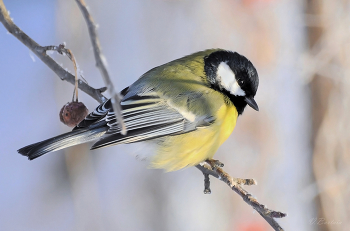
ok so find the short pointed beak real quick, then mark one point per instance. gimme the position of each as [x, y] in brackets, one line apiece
[251, 102]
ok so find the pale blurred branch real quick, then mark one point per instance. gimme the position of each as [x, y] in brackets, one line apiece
[326, 66]
[101, 65]
[213, 167]
[40, 52]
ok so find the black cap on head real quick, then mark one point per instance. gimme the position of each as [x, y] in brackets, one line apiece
[240, 82]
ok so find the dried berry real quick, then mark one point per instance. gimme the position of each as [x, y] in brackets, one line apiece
[72, 113]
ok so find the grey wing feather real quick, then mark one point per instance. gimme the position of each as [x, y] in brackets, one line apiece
[98, 114]
[146, 117]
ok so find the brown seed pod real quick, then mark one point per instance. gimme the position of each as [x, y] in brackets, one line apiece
[72, 113]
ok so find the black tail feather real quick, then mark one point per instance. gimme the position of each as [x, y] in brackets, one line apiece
[65, 140]
[24, 151]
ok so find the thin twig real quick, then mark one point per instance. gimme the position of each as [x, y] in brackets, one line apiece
[234, 184]
[39, 51]
[61, 49]
[115, 99]
[206, 183]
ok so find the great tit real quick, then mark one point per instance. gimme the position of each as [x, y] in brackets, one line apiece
[187, 108]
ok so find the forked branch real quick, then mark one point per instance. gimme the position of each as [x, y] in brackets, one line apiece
[40, 52]
[61, 49]
[213, 168]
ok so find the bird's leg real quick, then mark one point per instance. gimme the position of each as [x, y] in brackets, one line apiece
[214, 163]
[216, 167]
[210, 165]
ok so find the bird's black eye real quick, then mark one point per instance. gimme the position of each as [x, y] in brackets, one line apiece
[241, 82]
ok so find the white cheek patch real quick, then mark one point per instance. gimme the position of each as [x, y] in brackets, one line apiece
[236, 89]
[227, 79]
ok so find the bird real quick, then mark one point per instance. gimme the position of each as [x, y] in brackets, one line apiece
[186, 108]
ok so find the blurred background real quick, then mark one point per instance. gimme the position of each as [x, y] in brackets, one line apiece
[297, 146]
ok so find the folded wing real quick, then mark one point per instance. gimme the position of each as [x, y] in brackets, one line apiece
[146, 117]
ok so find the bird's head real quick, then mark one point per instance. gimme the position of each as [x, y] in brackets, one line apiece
[234, 75]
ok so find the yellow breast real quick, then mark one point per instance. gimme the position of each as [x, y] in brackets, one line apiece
[189, 149]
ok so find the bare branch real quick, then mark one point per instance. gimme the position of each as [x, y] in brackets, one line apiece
[115, 99]
[39, 51]
[61, 49]
[211, 167]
